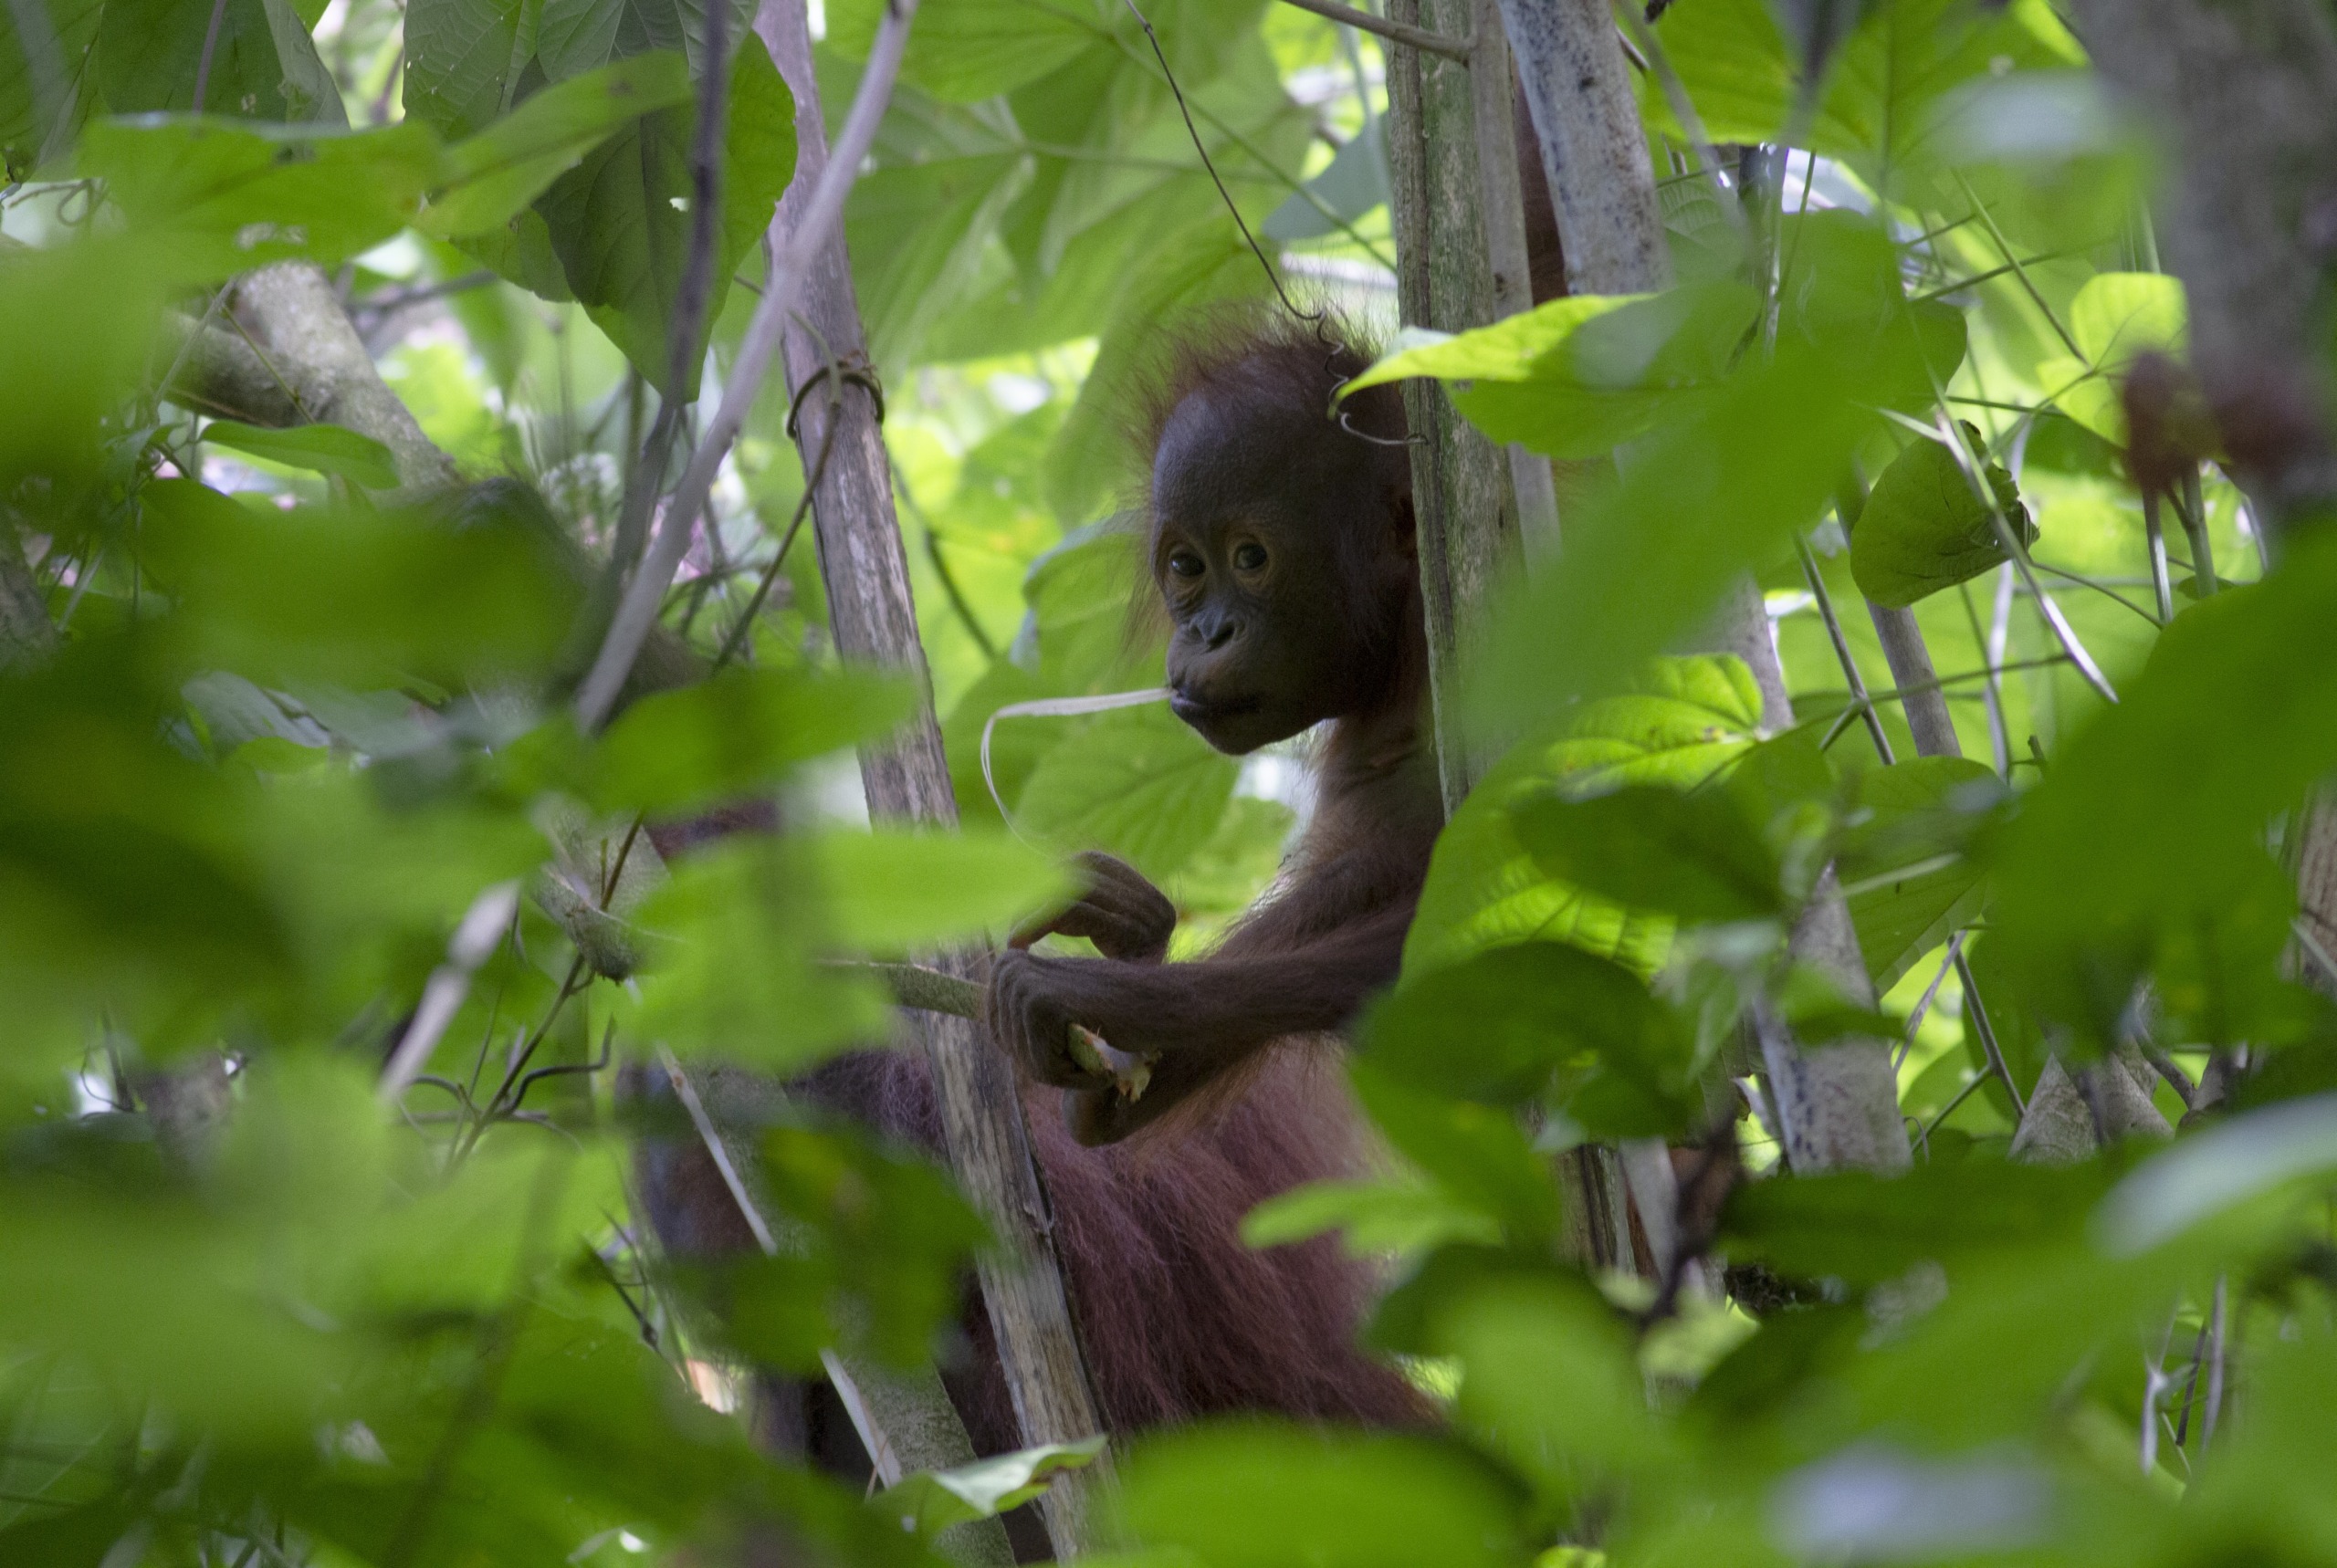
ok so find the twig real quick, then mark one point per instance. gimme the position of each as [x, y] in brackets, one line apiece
[210, 46]
[783, 281]
[475, 938]
[1401, 32]
[1842, 652]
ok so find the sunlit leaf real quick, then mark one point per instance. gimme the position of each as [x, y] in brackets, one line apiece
[1922, 528]
[320, 448]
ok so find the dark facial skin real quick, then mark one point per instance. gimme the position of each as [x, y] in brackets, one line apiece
[1267, 529]
[1283, 551]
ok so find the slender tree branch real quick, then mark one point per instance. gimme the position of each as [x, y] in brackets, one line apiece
[783, 282]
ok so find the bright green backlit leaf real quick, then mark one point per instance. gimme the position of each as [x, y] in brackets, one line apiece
[1375, 1218]
[890, 892]
[1549, 1377]
[102, 297]
[1923, 529]
[967, 50]
[1576, 377]
[1690, 717]
[733, 944]
[1882, 84]
[1261, 1495]
[320, 448]
[493, 175]
[2115, 318]
[932, 1500]
[1136, 782]
[225, 197]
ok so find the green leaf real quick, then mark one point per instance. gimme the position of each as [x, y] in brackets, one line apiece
[1136, 782]
[367, 600]
[493, 175]
[103, 295]
[1376, 1216]
[2115, 318]
[1263, 1494]
[1548, 1378]
[1923, 529]
[320, 448]
[735, 936]
[737, 732]
[967, 50]
[1694, 855]
[223, 197]
[1578, 376]
[932, 1500]
[1905, 861]
[1477, 1153]
[1515, 1023]
[2227, 1165]
[1883, 83]
[619, 220]
[462, 59]
[879, 1243]
[1692, 717]
[892, 892]
[264, 64]
[1718, 490]
[28, 124]
[2095, 884]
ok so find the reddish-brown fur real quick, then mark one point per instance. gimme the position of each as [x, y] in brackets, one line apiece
[1179, 1318]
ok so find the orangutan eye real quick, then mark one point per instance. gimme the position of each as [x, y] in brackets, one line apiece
[1185, 563]
[1249, 557]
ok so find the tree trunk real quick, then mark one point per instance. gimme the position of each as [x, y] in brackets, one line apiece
[865, 571]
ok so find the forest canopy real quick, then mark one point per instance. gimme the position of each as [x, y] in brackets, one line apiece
[564, 563]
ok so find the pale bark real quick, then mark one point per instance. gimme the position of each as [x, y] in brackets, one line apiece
[301, 330]
[1444, 279]
[865, 571]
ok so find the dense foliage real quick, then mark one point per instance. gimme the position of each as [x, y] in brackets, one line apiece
[283, 734]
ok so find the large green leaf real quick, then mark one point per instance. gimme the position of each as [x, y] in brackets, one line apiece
[29, 120]
[263, 66]
[494, 174]
[1690, 717]
[320, 448]
[2116, 317]
[966, 50]
[217, 197]
[1578, 376]
[1922, 528]
[1136, 782]
[739, 732]
[1515, 1023]
[1881, 86]
[1261, 1495]
[1719, 490]
[891, 892]
[620, 224]
[1696, 856]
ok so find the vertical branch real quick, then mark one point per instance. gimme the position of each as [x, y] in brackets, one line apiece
[1444, 279]
[866, 570]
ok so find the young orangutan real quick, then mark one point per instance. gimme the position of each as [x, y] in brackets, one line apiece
[1281, 540]
[1282, 543]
